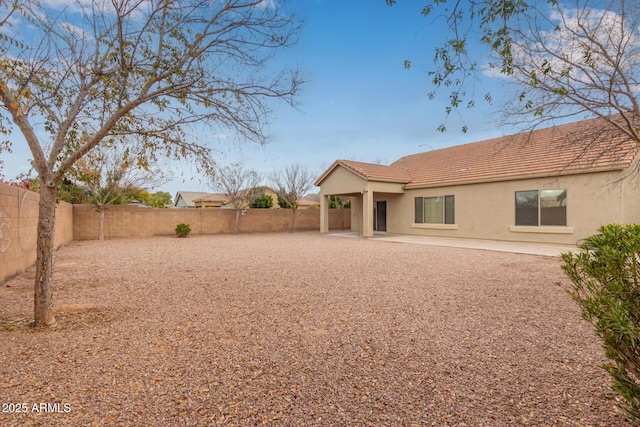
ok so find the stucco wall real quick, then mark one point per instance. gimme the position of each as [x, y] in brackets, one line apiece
[133, 221]
[631, 191]
[487, 211]
[342, 181]
[18, 229]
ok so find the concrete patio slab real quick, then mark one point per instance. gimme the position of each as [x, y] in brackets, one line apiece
[490, 245]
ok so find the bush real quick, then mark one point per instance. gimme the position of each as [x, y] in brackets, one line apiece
[606, 278]
[263, 202]
[283, 203]
[183, 230]
[337, 202]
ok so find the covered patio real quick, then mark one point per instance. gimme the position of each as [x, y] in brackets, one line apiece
[368, 186]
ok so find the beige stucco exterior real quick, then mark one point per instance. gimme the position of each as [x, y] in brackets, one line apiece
[486, 210]
[207, 204]
[342, 182]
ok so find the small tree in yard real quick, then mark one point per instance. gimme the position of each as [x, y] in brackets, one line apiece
[240, 187]
[606, 278]
[108, 179]
[291, 185]
[74, 75]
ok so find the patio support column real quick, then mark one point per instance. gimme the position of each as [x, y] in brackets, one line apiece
[367, 213]
[324, 213]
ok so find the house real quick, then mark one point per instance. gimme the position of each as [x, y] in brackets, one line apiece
[219, 200]
[553, 185]
[184, 199]
[308, 202]
[211, 200]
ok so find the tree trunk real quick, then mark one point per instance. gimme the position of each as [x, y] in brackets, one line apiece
[293, 219]
[237, 220]
[43, 295]
[101, 225]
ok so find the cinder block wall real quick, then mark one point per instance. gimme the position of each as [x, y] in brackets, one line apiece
[18, 229]
[134, 221]
[19, 220]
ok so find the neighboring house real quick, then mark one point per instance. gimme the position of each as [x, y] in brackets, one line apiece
[554, 185]
[315, 197]
[184, 199]
[219, 200]
[270, 192]
[308, 202]
[211, 200]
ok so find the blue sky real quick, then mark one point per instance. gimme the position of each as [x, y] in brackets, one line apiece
[360, 103]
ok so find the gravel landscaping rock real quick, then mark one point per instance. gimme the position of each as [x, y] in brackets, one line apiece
[300, 329]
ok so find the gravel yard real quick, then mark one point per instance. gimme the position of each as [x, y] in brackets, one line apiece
[300, 329]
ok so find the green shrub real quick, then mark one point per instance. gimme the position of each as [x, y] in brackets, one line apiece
[183, 230]
[283, 203]
[263, 202]
[606, 286]
[335, 202]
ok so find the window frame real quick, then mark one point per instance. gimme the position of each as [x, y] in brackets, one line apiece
[520, 219]
[448, 209]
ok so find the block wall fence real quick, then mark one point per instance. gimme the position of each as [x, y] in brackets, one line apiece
[133, 221]
[18, 229]
[19, 219]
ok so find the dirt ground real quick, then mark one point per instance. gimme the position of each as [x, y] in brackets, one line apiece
[300, 329]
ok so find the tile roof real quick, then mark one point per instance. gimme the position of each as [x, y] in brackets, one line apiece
[212, 197]
[369, 171]
[314, 197]
[188, 196]
[581, 147]
[308, 201]
[222, 198]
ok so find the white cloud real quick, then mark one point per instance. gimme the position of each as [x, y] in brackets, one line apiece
[71, 5]
[266, 4]
[100, 6]
[76, 31]
[597, 31]
[579, 35]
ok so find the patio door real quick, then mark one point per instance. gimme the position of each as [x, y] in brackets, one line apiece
[380, 216]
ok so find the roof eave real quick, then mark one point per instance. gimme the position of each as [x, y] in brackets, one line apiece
[326, 173]
[389, 180]
[370, 178]
[346, 167]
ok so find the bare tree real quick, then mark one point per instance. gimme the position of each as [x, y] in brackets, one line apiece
[472, 24]
[240, 186]
[74, 75]
[571, 58]
[579, 61]
[108, 177]
[291, 185]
